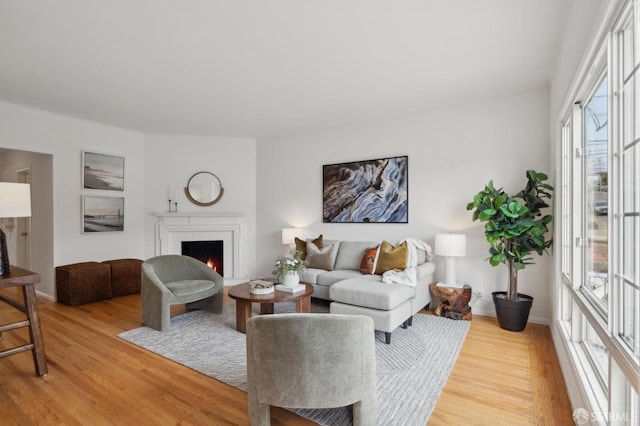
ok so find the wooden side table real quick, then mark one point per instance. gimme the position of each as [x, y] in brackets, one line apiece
[26, 279]
[454, 301]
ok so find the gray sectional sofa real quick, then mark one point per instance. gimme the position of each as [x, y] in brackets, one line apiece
[390, 305]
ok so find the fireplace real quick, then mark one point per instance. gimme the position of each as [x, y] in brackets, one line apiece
[209, 252]
[174, 228]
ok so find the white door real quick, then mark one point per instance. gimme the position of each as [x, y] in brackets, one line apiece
[23, 252]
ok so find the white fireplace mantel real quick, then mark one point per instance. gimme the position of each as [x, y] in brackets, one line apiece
[173, 228]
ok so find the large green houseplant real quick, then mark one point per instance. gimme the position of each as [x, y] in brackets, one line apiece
[515, 228]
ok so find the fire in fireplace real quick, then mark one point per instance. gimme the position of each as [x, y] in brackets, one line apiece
[209, 252]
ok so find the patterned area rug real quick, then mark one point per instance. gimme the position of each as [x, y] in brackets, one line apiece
[411, 371]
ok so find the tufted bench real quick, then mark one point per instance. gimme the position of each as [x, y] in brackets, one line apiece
[84, 282]
[87, 282]
[125, 276]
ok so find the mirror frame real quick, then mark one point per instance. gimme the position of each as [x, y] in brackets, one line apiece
[199, 203]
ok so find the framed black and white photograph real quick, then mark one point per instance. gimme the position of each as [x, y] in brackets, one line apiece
[370, 191]
[102, 171]
[102, 214]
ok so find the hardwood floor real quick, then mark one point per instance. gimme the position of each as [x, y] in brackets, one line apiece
[95, 378]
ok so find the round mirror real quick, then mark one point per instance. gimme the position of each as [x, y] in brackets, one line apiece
[204, 189]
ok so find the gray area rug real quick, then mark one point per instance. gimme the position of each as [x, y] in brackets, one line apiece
[411, 371]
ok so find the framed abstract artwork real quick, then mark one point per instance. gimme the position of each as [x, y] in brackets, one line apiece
[102, 171]
[370, 191]
[102, 214]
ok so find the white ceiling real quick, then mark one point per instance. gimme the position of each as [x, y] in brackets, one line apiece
[266, 68]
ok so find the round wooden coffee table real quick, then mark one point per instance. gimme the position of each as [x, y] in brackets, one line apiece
[244, 299]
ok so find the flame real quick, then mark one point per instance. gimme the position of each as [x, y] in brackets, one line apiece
[211, 265]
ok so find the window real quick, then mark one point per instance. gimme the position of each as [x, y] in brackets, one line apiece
[595, 183]
[599, 276]
[567, 243]
[627, 152]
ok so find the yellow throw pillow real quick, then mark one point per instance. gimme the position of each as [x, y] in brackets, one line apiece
[392, 258]
[301, 246]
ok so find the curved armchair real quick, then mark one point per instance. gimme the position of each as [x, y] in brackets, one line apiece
[173, 280]
[311, 361]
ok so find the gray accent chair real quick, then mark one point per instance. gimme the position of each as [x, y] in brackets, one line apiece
[173, 280]
[311, 361]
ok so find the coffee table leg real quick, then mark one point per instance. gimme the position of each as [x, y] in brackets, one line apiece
[243, 313]
[303, 305]
[266, 308]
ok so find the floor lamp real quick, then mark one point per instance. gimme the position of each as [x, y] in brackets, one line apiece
[15, 201]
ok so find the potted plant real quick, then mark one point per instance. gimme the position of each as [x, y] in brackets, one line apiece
[515, 227]
[288, 269]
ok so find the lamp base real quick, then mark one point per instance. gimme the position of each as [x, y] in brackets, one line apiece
[5, 266]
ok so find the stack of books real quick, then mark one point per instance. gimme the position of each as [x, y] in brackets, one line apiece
[291, 289]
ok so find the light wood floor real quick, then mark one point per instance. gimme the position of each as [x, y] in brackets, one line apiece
[95, 378]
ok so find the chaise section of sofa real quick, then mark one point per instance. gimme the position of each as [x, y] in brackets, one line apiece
[390, 305]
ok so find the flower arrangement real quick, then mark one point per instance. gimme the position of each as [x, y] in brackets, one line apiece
[289, 264]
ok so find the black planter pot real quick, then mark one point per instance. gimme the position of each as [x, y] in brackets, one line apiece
[512, 314]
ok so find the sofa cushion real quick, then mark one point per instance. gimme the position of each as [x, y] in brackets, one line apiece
[310, 275]
[350, 254]
[369, 260]
[371, 293]
[328, 278]
[334, 252]
[189, 287]
[425, 270]
[319, 258]
[301, 245]
[392, 258]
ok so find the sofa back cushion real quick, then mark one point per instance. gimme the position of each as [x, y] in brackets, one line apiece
[350, 254]
[334, 252]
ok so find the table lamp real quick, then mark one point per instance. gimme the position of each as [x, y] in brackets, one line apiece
[450, 246]
[288, 237]
[15, 201]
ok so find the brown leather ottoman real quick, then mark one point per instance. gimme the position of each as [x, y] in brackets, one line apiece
[84, 282]
[126, 276]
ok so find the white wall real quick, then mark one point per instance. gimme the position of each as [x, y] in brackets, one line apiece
[172, 159]
[453, 151]
[152, 163]
[65, 137]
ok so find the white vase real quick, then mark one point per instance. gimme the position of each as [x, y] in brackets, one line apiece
[291, 279]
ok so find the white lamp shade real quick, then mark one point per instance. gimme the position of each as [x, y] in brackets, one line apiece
[451, 245]
[15, 199]
[289, 235]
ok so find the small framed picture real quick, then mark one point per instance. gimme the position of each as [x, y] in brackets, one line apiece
[102, 171]
[102, 214]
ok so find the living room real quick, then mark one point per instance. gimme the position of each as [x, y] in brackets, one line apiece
[456, 141]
